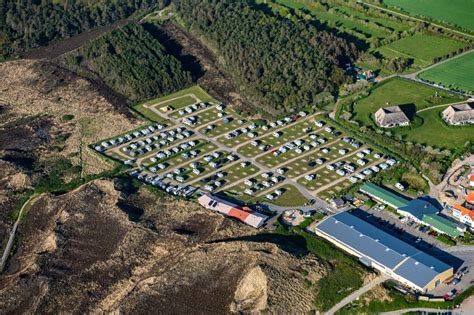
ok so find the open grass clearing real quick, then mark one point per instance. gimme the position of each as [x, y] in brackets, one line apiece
[195, 90]
[409, 95]
[422, 48]
[323, 178]
[291, 197]
[457, 73]
[178, 103]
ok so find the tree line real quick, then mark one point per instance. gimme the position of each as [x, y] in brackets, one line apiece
[279, 64]
[26, 24]
[132, 62]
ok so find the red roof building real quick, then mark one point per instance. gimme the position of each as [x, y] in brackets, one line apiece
[470, 198]
[463, 214]
[244, 214]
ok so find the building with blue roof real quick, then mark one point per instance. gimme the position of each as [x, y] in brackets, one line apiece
[418, 210]
[384, 252]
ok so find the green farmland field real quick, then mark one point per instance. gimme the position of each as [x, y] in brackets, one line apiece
[399, 91]
[458, 73]
[455, 12]
[422, 48]
[362, 23]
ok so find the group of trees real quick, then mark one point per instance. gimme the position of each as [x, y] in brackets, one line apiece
[26, 24]
[280, 64]
[132, 62]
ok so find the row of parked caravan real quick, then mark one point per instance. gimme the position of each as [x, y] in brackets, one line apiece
[159, 182]
[193, 108]
[111, 143]
[157, 141]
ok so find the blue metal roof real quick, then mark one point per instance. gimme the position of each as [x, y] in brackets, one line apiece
[419, 207]
[383, 248]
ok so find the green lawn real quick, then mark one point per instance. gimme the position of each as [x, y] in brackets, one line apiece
[458, 12]
[399, 91]
[290, 198]
[435, 132]
[457, 73]
[422, 48]
[180, 102]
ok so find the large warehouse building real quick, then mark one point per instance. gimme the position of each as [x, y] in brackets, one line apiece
[384, 252]
[243, 214]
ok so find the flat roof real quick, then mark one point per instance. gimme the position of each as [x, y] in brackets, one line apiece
[442, 224]
[418, 208]
[384, 194]
[384, 249]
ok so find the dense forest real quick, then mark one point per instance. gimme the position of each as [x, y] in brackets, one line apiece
[279, 64]
[26, 24]
[132, 62]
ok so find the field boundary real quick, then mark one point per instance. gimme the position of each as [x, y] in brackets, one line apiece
[417, 19]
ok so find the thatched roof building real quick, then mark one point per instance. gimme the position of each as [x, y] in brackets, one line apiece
[461, 114]
[393, 116]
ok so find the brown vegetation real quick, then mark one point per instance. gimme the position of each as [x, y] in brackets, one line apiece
[81, 252]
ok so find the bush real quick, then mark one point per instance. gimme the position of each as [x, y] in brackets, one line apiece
[67, 117]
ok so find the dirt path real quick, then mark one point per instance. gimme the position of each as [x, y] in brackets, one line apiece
[8, 247]
[61, 47]
[438, 106]
[355, 295]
